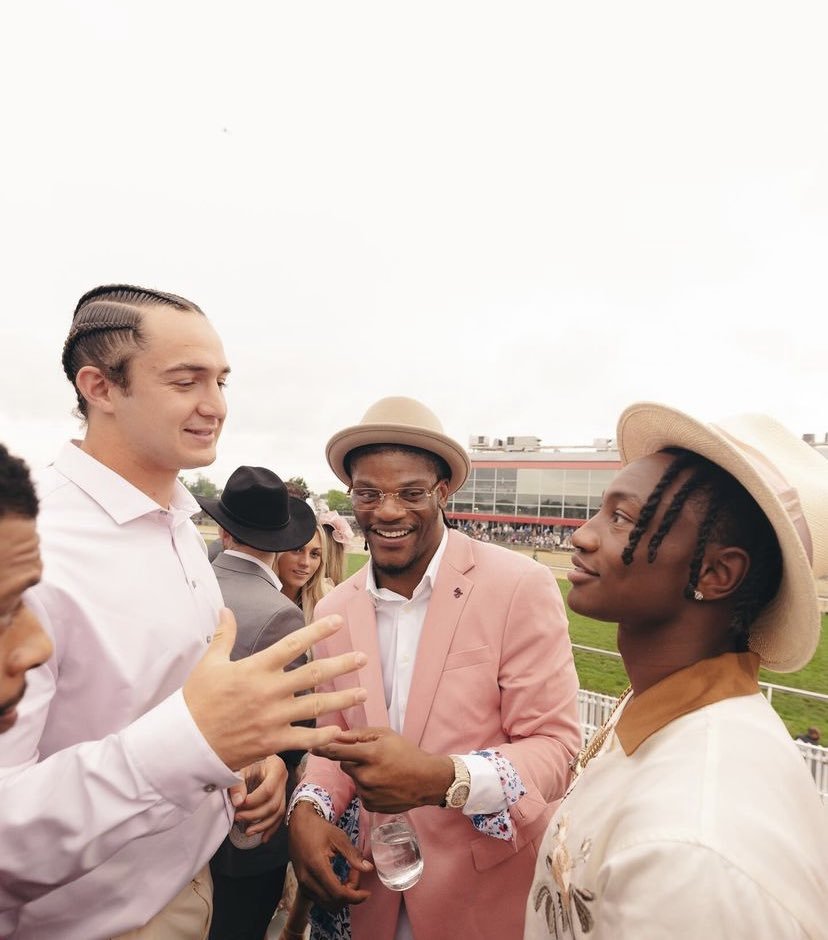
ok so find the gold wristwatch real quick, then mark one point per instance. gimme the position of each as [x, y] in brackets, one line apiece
[458, 792]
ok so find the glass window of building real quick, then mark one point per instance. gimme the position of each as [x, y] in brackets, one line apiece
[528, 480]
[576, 483]
[552, 482]
[505, 491]
[551, 506]
[527, 505]
[461, 502]
[484, 482]
[575, 507]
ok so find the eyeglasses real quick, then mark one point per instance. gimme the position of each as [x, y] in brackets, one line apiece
[409, 497]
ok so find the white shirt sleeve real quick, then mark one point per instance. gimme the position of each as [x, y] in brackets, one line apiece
[486, 794]
[62, 816]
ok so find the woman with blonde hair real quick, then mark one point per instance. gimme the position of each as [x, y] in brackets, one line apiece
[302, 573]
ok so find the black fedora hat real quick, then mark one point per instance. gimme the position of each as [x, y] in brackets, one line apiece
[256, 509]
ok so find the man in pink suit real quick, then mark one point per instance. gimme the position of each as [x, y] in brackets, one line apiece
[470, 721]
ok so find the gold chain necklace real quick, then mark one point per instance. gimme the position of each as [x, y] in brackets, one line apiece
[596, 742]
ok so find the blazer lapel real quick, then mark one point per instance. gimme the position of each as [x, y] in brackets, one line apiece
[362, 625]
[448, 599]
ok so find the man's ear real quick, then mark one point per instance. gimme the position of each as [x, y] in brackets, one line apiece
[442, 493]
[95, 387]
[722, 571]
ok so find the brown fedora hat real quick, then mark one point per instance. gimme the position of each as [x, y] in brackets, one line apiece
[789, 481]
[257, 510]
[399, 420]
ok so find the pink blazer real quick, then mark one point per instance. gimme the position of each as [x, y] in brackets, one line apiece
[494, 668]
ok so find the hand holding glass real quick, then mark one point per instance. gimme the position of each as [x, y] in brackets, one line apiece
[238, 833]
[396, 851]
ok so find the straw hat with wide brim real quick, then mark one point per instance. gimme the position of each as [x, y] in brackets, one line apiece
[399, 420]
[788, 479]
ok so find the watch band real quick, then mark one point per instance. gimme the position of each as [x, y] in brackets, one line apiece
[458, 793]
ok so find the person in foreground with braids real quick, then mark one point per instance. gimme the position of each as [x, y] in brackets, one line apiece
[131, 750]
[692, 813]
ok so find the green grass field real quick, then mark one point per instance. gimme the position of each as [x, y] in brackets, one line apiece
[603, 674]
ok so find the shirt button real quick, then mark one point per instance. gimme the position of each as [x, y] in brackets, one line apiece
[193, 583]
[208, 638]
[209, 788]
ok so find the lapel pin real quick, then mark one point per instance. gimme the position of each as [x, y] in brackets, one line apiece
[458, 592]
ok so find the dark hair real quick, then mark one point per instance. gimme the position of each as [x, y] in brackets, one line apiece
[441, 469]
[17, 493]
[731, 516]
[106, 331]
[295, 490]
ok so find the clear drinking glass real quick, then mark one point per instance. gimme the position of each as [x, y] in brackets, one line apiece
[238, 832]
[396, 851]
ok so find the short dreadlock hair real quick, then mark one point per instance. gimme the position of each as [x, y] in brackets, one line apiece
[17, 493]
[441, 469]
[730, 516]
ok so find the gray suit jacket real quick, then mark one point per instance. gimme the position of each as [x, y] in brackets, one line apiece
[263, 616]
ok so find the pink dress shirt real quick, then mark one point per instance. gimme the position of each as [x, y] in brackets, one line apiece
[110, 798]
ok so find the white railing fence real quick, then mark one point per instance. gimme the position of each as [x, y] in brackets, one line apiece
[594, 708]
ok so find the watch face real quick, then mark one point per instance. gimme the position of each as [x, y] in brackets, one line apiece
[460, 795]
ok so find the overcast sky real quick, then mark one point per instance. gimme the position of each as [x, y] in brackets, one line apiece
[528, 215]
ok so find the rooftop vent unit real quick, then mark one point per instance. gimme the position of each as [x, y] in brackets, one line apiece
[523, 443]
[478, 440]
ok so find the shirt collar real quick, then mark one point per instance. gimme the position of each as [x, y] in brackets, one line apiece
[114, 494]
[269, 571]
[685, 691]
[426, 583]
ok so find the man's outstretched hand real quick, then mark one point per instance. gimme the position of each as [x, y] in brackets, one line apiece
[245, 708]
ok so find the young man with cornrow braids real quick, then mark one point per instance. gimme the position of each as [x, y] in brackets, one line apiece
[692, 813]
[131, 751]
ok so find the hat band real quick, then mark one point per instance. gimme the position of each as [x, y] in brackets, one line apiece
[785, 493]
[252, 525]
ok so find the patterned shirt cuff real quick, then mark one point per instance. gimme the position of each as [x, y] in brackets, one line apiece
[499, 825]
[312, 794]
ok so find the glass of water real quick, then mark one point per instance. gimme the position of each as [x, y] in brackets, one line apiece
[396, 851]
[238, 833]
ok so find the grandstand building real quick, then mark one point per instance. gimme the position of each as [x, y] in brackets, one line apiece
[518, 484]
